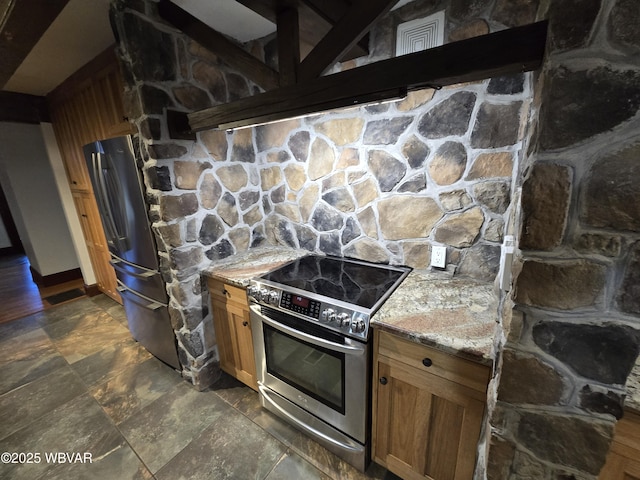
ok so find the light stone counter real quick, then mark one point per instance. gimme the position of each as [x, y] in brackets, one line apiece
[455, 314]
[239, 269]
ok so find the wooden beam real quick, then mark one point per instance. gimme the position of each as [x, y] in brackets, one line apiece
[352, 26]
[331, 10]
[229, 52]
[510, 51]
[288, 46]
[22, 108]
[314, 22]
[22, 24]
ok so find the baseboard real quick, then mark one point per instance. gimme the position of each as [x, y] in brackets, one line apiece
[11, 251]
[92, 290]
[56, 278]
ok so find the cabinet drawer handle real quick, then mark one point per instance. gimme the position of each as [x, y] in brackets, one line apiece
[224, 292]
[427, 362]
[245, 323]
[383, 380]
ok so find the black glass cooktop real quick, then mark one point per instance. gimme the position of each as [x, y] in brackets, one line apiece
[350, 281]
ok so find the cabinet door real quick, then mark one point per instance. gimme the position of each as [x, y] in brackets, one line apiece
[96, 244]
[233, 334]
[69, 137]
[619, 467]
[623, 461]
[424, 426]
[108, 90]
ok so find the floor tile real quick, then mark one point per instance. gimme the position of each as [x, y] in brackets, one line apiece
[103, 301]
[246, 401]
[83, 334]
[110, 361]
[283, 431]
[75, 381]
[331, 464]
[27, 369]
[25, 346]
[18, 327]
[66, 311]
[27, 357]
[293, 466]
[162, 429]
[233, 447]
[29, 403]
[78, 426]
[134, 388]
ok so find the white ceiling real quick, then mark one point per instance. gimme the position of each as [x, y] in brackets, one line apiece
[82, 31]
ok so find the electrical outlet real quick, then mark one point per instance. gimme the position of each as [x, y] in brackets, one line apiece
[439, 257]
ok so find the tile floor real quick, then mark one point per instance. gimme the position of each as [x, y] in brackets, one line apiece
[73, 381]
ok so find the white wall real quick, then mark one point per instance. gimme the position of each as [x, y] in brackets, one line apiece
[30, 187]
[68, 206]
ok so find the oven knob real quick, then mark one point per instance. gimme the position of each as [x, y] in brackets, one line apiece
[264, 295]
[357, 326]
[253, 292]
[273, 297]
[328, 315]
[344, 319]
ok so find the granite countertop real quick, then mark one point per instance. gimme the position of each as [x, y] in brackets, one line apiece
[239, 269]
[454, 314]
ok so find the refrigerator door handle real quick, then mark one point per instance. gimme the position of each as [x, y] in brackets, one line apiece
[100, 197]
[104, 201]
[116, 262]
[103, 187]
[152, 305]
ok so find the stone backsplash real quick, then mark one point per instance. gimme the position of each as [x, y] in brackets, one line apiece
[382, 183]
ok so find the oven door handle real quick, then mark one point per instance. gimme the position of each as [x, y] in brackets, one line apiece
[353, 349]
[344, 442]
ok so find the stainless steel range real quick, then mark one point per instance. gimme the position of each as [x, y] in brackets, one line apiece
[310, 323]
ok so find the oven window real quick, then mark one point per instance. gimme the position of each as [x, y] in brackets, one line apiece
[314, 370]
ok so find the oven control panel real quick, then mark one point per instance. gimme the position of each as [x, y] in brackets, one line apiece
[339, 319]
[299, 304]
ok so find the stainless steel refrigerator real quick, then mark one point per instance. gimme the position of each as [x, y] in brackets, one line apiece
[118, 189]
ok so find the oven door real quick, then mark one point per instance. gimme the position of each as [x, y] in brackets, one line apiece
[322, 372]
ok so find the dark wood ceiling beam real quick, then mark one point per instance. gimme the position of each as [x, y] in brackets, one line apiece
[229, 52]
[22, 24]
[288, 46]
[510, 51]
[351, 27]
[314, 23]
[331, 10]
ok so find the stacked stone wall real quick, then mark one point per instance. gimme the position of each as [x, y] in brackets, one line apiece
[383, 183]
[574, 331]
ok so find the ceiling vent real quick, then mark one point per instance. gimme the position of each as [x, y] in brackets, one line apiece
[420, 34]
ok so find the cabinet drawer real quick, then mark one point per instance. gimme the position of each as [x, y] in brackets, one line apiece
[436, 362]
[226, 292]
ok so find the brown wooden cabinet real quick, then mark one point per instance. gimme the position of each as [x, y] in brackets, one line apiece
[233, 331]
[96, 242]
[428, 408]
[623, 461]
[85, 108]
